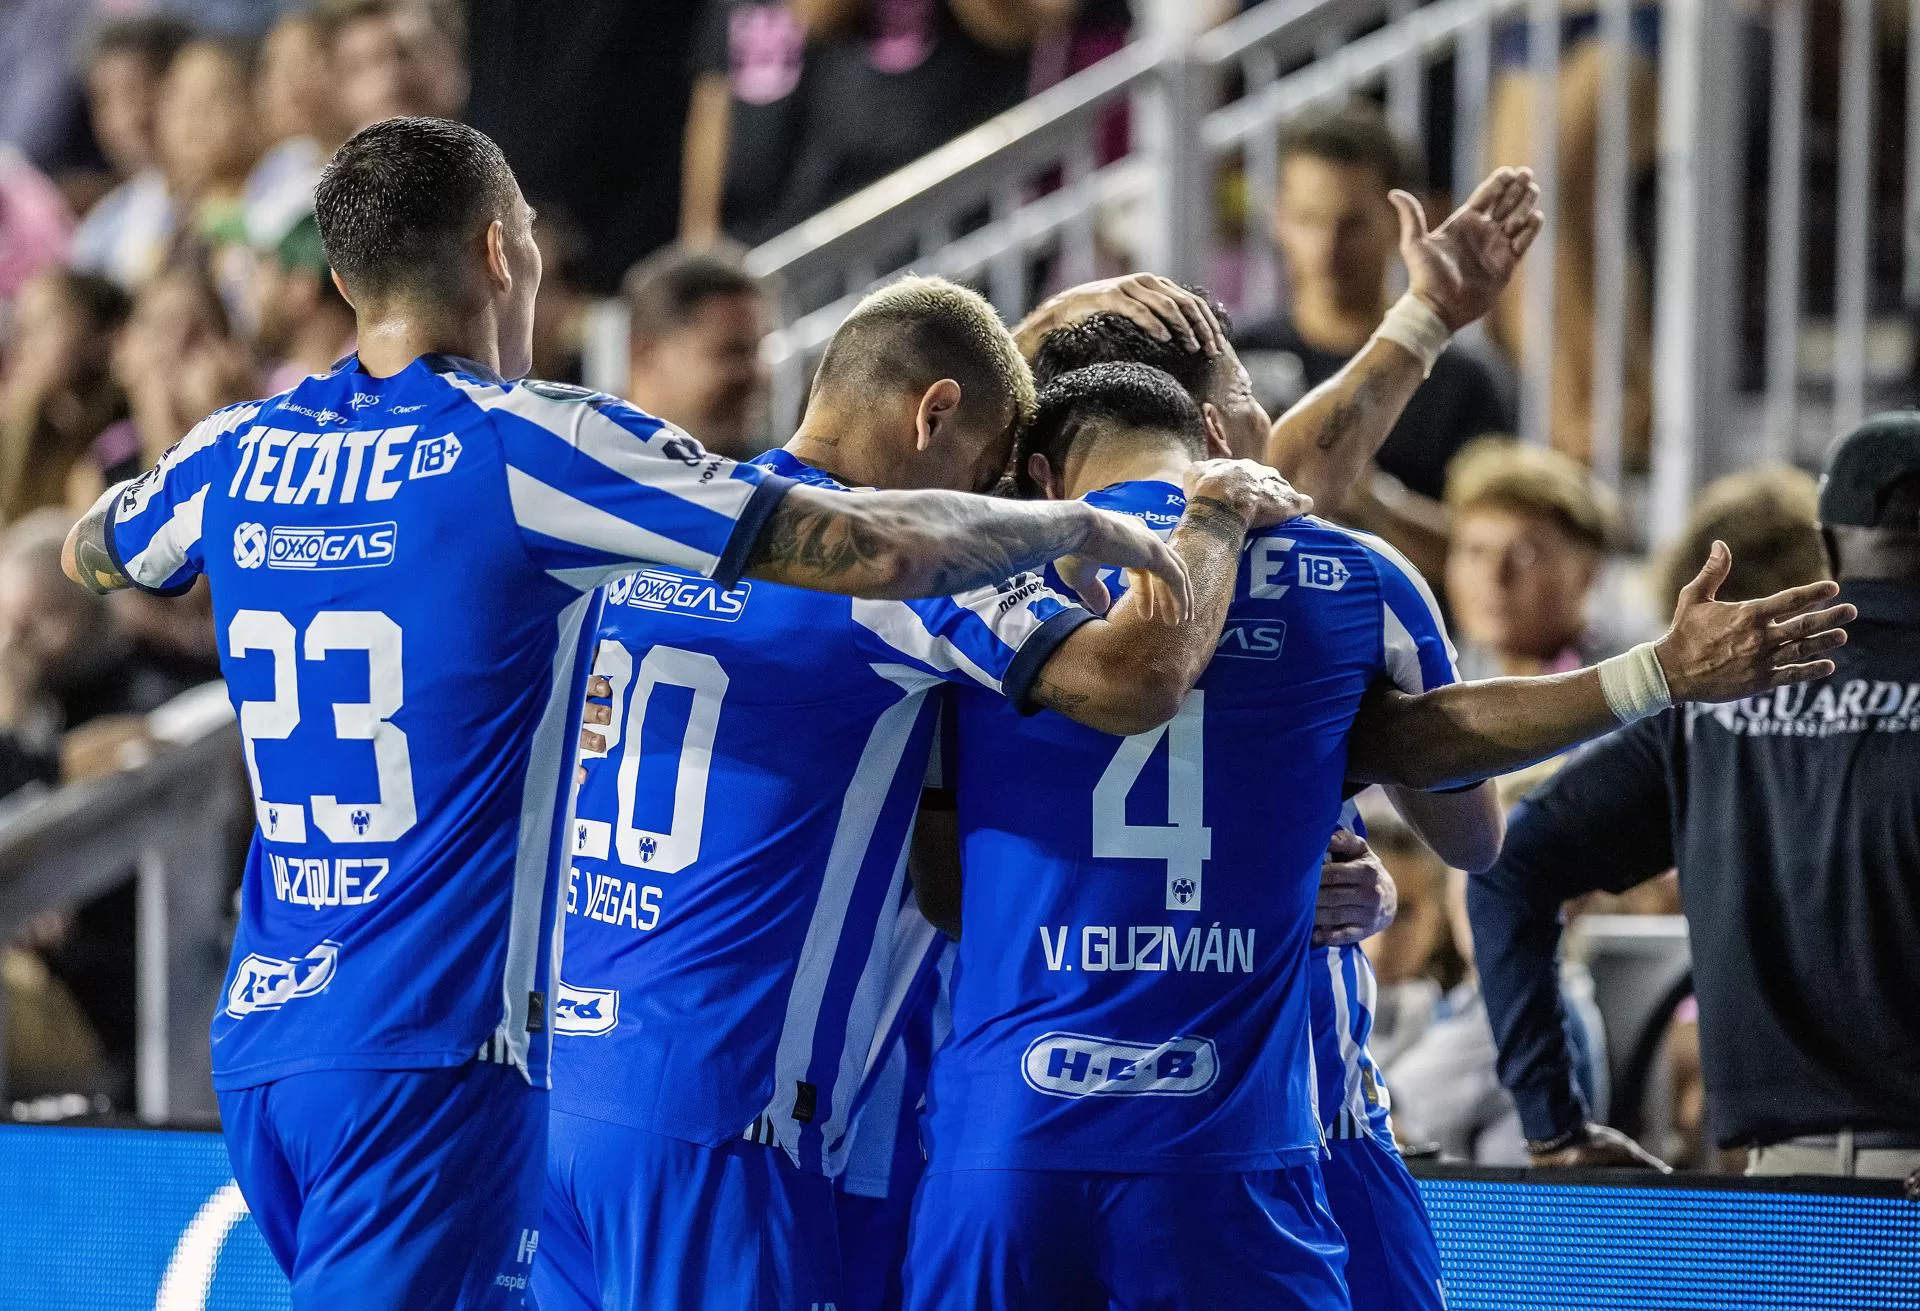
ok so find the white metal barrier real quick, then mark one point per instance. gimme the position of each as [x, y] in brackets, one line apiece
[1026, 192]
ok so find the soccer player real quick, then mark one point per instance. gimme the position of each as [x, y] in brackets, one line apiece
[404, 558]
[1130, 1047]
[738, 853]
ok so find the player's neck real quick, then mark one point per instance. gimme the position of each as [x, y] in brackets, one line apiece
[1100, 469]
[1329, 322]
[840, 446]
[394, 337]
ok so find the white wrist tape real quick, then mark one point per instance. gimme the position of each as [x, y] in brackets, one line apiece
[1634, 684]
[1413, 324]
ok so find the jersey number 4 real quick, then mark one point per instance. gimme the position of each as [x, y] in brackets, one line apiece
[1183, 842]
[367, 631]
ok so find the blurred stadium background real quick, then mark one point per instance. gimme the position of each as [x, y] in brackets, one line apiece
[1729, 277]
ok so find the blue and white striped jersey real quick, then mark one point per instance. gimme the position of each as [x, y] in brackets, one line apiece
[1132, 992]
[884, 1156]
[405, 572]
[739, 853]
[1350, 1090]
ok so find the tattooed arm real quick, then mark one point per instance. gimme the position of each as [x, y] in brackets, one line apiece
[896, 545]
[1131, 673]
[85, 557]
[1327, 441]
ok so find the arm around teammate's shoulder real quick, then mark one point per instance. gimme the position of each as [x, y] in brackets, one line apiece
[900, 545]
[1130, 674]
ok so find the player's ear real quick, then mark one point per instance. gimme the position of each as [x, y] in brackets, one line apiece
[340, 287]
[498, 273]
[1218, 447]
[1040, 471]
[937, 406]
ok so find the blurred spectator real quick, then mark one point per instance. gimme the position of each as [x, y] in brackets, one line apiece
[299, 126]
[1531, 529]
[1403, 953]
[1794, 820]
[395, 58]
[302, 325]
[694, 339]
[35, 226]
[207, 148]
[1767, 519]
[58, 395]
[920, 72]
[38, 87]
[1511, 123]
[561, 306]
[1338, 237]
[743, 121]
[589, 101]
[177, 359]
[1445, 1088]
[126, 235]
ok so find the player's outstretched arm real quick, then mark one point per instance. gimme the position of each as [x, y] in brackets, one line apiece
[1130, 674]
[901, 545]
[1715, 651]
[1455, 273]
[86, 558]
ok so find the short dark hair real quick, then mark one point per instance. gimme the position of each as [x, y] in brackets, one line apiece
[665, 290]
[397, 203]
[1116, 397]
[1116, 339]
[1356, 133]
[154, 39]
[917, 330]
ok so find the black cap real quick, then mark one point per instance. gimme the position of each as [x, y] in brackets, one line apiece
[1864, 463]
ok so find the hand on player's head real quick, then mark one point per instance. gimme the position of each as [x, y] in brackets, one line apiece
[1723, 651]
[1254, 491]
[1160, 307]
[1358, 897]
[1460, 268]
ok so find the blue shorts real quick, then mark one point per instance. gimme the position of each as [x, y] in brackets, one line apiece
[1393, 1264]
[1057, 1241]
[643, 1222]
[400, 1189]
[873, 1249]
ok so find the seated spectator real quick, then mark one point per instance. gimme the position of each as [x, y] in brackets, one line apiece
[125, 236]
[394, 58]
[293, 103]
[1338, 236]
[921, 72]
[1531, 530]
[301, 322]
[207, 146]
[58, 396]
[1767, 519]
[36, 227]
[696, 319]
[743, 119]
[178, 360]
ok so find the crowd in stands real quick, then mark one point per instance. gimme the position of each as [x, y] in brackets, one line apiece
[169, 264]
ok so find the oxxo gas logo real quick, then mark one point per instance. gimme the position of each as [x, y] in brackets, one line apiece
[1080, 1065]
[654, 589]
[350, 546]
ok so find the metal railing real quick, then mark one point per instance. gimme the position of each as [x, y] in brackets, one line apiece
[1024, 202]
[168, 827]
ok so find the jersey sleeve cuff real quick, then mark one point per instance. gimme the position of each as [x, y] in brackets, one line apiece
[112, 535]
[747, 529]
[1032, 656]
